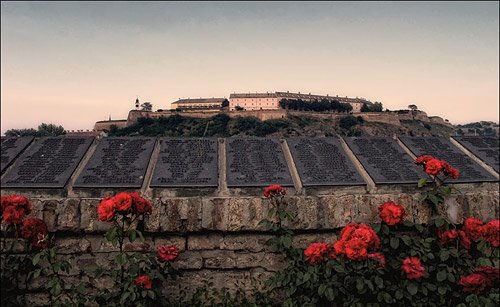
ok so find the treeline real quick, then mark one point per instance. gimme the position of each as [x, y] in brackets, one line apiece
[375, 107]
[220, 125]
[43, 130]
[315, 105]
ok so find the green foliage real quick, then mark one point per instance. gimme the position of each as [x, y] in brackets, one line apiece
[43, 130]
[315, 105]
[375, 107]
[348, 122]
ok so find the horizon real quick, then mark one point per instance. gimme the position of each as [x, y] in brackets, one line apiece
[73, 64]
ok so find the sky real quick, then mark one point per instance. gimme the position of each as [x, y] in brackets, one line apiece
[75, 63]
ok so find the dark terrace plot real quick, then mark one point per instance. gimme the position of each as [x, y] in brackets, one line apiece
[49, 163]
[323, 161]
[117, 162]
[256, 162]
[187, 163]
[384, 160]
[11, 147]
[442, 148]
[485, 148]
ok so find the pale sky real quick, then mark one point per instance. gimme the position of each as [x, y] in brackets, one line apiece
[75, 63]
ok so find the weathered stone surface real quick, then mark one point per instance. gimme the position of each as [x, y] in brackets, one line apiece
[304, 240]
[233, 214]
[180, 214]
[250, 242]
[191, 260]
[152, 221]
[73, 245]
[337, 210]
[89, 219]
[68, 215]
[207, 241]
[216, 259]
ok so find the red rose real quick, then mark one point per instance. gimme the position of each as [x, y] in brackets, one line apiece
[491, 233]
[347, 231]
[144, 280]
[493, 275]
[140, 205]
[339, 248]
[464, 239]
[433, 167]
[315, 252]
[391, 213]
[123, 202]
[21, 202]
[449, 171]
[476, 283]
[13, 215]
[473, 228]
[106, 209]
[4, 202]
[423, 159]
[36, 231]
[413, 268]
[447, 236]
[367, 234]
[274, 189]
[356, 249]
[379, 259]
[167, 253]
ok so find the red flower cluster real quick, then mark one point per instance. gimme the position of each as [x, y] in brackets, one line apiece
[474, 229]
[413, 268]
[167, 253]
[391, 213]
[449, 236]
[144, 280]
[14, 208]
[36, 231]
[316, 252]
[434, 167]
[356, 242]
[123, 203]
[273, 190]
[481, 280]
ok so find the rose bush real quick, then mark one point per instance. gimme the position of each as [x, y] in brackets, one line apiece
[396, 262]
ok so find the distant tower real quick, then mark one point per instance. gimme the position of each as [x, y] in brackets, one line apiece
[137, 103]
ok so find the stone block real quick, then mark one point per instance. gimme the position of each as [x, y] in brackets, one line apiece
[152, 221]
[73, 245]
[188, 260]
[218, 259]
[88, 216]
[249, 242]
[204, 242]
[180, 214]
[337, 211]
[68, 215]
[179, 242]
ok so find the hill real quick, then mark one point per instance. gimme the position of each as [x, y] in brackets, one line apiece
[222, 125]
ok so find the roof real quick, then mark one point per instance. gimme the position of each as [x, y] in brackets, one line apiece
[289, 95]
[200, 100]
[253, 95]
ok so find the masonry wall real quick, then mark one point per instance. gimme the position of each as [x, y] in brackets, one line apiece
[218, 232]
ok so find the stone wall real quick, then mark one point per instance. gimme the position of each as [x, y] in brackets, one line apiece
[220, 236]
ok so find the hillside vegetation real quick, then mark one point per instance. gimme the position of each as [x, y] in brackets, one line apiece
[222, 125]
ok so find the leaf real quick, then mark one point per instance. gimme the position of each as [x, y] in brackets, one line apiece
[422, 182]
[111, 234]
[394, 242]
[36, 258]
[379, 282]
[151, 294]
[444, 255]
[141, 237]
[132, 235]
[321, 289]
[435, 200]
[376, 227]
[442, 290]
[360, 285]
[441, 275]
[439, 222]
[339, 268]
[412, 288]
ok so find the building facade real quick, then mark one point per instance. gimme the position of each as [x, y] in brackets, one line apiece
[270, 101]
[199, 103]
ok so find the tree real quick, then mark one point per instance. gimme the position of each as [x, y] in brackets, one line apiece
[43, 130]
[225, 103]
[147, 106]
[238, 108]
[413, 109]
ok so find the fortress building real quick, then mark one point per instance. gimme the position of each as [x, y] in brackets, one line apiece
[270, 101]
[198, 103]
